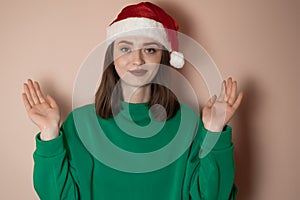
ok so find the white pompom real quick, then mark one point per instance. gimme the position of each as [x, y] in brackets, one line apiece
[176, 59]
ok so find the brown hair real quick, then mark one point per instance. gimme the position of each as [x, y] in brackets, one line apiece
[159, 93]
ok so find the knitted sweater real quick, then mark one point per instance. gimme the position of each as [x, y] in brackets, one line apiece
[139, 165]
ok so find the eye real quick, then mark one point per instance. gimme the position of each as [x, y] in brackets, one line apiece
[125, 49]
[150, 50]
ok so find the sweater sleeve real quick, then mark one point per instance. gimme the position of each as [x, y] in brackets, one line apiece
[211, 176]
[53, 175]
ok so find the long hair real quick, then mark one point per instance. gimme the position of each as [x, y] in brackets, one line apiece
[159, 94]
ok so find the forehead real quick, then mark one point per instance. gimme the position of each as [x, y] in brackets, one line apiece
[137, 40]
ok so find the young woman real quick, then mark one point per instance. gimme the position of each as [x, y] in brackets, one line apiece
[66, 168]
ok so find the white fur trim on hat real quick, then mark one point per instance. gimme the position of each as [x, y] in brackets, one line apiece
[138, 26]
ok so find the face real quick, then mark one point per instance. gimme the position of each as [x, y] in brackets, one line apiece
[137, 60]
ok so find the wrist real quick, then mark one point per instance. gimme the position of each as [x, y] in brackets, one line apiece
[213, 128]
[49, 133]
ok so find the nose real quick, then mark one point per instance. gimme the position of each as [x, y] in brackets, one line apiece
[137, 57]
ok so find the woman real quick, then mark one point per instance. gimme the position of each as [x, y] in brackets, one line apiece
[139, 45]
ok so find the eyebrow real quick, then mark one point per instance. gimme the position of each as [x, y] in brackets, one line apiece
[145, 44]
[151, 43]
[124, 41]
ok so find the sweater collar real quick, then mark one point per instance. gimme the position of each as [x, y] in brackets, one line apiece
[138, 112]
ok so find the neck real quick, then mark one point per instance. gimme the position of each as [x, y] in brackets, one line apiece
[134, 94]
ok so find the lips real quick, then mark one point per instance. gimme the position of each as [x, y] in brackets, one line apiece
[138, 72]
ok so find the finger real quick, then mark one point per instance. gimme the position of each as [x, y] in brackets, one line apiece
[228, 89]
[28, 95]
[211, 101]
[223, 91]
[238, 101]
[233, 93]
[26, 102]
[51, 101]
[39, 92]
[33, 92]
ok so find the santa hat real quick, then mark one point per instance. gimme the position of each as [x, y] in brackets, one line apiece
[148, 20]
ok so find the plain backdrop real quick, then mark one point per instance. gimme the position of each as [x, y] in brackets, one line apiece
[256, 42]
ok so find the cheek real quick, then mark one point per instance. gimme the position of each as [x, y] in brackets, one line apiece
[121, 66]
[158, 58]
[118, 60]
[118, 68]
[155, 71]
[154, 58]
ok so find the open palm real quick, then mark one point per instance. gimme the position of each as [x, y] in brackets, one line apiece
[44, 112]
[218, 111]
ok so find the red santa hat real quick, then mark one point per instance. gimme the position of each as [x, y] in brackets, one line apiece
[148, 20]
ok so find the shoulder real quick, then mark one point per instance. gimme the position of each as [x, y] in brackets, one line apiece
[186, 106]
[76, 121]
[189, 117]
[88, 108]
[79, 113]
[84, 108]
[188, 111]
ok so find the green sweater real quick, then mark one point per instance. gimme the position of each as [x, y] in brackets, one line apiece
[71, 166]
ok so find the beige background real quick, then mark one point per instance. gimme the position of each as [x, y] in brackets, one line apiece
[256, 42]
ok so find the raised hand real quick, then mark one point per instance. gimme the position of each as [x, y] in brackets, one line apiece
[218, 111]
[44, 112]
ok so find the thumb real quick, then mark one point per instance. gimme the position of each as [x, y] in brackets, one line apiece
[211, 101]
[51, 101]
